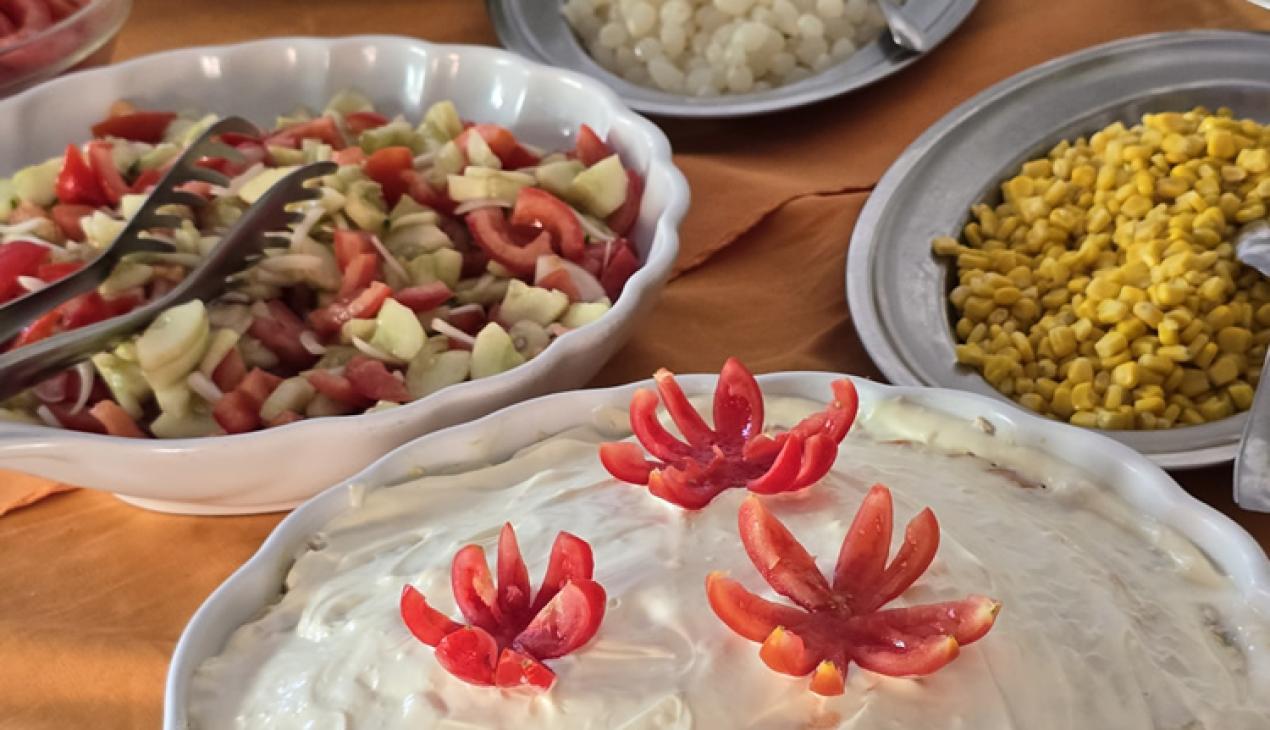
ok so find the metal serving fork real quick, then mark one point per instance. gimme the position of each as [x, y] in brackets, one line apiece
[25, 366]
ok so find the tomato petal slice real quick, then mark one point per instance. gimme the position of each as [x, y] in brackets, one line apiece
[469, 654]
[967, 621]
[738, 403]
[626, 461]
[921, 541]
[693, 427]
[571, 560]
[786, 652]
[513, 577]
[819, 453]
[782, 476]
[568, 621]
[782, 561]
[920, 657]
[424, 622]
[518, 670]
[745, 613]
[828, 680]
[862, 558]
[474, 590]
[648, 429]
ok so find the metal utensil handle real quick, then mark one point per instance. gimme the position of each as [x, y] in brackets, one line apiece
[22, 367]
[17, 314]
[1252, 462]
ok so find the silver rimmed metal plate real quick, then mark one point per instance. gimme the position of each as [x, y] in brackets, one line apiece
[897, 289]
[538, 30]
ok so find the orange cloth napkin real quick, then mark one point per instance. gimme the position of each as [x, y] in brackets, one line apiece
[97, 592]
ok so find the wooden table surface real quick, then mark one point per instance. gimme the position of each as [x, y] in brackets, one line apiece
[95, 593]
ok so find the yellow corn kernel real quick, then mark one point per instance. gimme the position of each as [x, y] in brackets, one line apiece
[1168, 332]
[1234, 340]
[1151, 404]
[1175, 353]
[1080, 370]
[978, 308]
[1084, 419]
[1194, 382]
[1172, 292]
[1062, 341]
[1254, 160]
[1046, 386]
[1125, 375]
[1205, 355]
[1148, 313]
[1214, 288]
[946, 246]
[1240, 395]
[1061, 403]
[1110, 311]
[1158, 364]
[1132, 328]
[1111, 344]
[1006, 295]
[1083, 396]
[1114, 419]
[1216, 407]
[1114, 397]
[1032, 401]
[996, 368]
[1223, 370]
[970, 354]
[1220, 316]
[1191, 417]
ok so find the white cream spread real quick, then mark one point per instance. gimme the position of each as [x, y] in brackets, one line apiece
[1109, 622]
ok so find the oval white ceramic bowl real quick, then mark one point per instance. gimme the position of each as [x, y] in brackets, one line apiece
[496, 437]
[279, 467]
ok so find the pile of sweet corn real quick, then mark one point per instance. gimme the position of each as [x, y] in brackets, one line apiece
[1104, 289]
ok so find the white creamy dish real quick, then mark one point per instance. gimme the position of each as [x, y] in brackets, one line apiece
[1107, 621]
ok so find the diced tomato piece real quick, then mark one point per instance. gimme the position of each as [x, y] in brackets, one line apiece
[386, 166]
[622, 220]
[568, 621]
[519, 670]
[67, 217]
[366, 304]
[101, 158]
[18, 258]
[140, 126]
[372, 379]
[360, 272]
[560, 280]
[469, 654]
[229, 374]
[146, 180]
[116, 420]
[349, 243]
[349, 156]
[424, 194]
[47, 325]
[237, 412]
[76, 183]
[492, 233]
[84, 310]
[280, 332]
[425, 622]
[81, 420]
[257, 385]
[475, 261]
[358, 122]
[323, 129]
[537, 207]
[502, 143]
[284, 418]
[53, 272]
[622, 264]
[424, 297]
[337, 388]
[590, 149]
[469, 318]
[571, 560]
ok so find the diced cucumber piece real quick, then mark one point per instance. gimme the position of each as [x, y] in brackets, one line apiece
[431, 371]
[131, 203]
[335, 356]
[444, 265]
[223, 340]
[363, 329]
[349, 101]
[127, 350]
[493, 352]
[583, 313]
[409, 242]
[485, 290]
[449, 160]
[555, 177]
[531, 303]
[408, 206]
[158, 156]
[126, 275]
[396, 133]
[260, 184]
[255, 354]
[397, 331]
[441, 123]
[125, 154]
[286, 155]
[322, 406]
[193, 424]
[298, 113]
[478, 183]
[183, 132]
[128, 387]
[222, 212]
[292, 394]
[315, 150]
[479, 153]
[174, 398]
[38, 183]
[365, 205]
[100, 229]
[601, 188]
[530, 338]
[173, 343]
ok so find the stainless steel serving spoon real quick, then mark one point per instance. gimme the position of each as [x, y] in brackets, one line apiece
[1252, 462]
[903, 29]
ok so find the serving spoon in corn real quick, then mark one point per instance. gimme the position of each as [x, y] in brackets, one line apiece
[1252, 462]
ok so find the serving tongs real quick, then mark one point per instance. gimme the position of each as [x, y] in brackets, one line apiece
[25, 366]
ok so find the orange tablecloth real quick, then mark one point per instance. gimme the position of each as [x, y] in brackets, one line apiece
[93, 593]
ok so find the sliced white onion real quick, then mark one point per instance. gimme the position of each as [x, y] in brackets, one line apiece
[31, 283]
[443, 327]
[389, 260]
[86, 374]
[234, 316]
[203, 387]
[305, 226]
[595, 229]
[479, 203]
[47, 416]
[424, 160]
[534, 150]
[235, 297]
[309, 341]
[26, 226]
[370, 350]
[292, 263]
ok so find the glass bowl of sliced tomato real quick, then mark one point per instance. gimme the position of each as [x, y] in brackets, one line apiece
[40, 39]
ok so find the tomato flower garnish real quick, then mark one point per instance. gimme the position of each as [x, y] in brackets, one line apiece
[841, 622]
[509, 635]
[735, 452]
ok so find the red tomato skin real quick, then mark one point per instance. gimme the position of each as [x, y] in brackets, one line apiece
[229, 374]
[337, 388]
[76, 182]
[359, 122]
[237, 412]
[81, 421]
[350, 243]
[46, 326]
[116, 420]
[424, 194]
[258, 385]
[111, 183]
[502, 143]
[385, 167]
[361, 271]
[491, 231]
[67, 217]
[139, 126]
[371, 379]
[622, 220]
[424, 297]
[280, 332]
[366, 304]
[589, 148]
[322, 129]
[537, 207]
[622, 264]
[18, 258]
